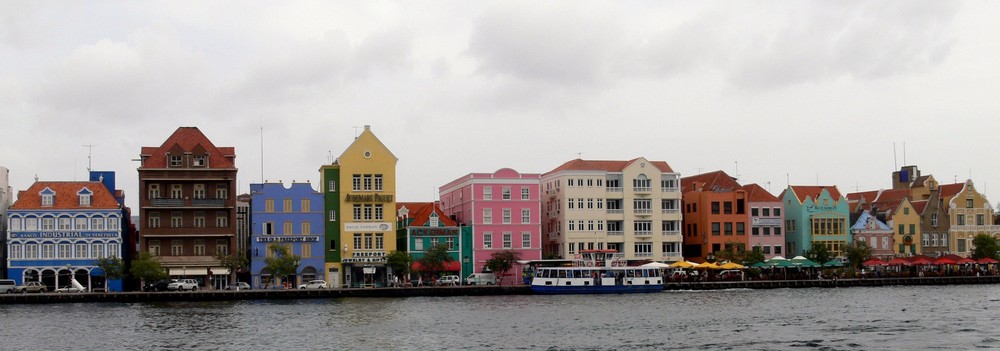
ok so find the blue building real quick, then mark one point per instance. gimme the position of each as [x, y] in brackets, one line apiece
[286, 216]
[58, 230]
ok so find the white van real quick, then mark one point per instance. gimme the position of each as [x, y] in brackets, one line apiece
[481, 279]
[7, 286]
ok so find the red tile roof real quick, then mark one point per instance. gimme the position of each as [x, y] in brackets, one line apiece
[920, 206]
[607, 166]
[420, 212]
[708, 181]
[949, 190]
[869, 196]
[755, 193]
[804, 191]
[890, 199]
[189, 139]
[66, 196]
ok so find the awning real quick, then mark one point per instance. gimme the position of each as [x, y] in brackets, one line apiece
[188, 270]
[453, 266]
[220, 270]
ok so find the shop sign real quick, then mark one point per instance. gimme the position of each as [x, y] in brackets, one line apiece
[368, 227]
[288, 239]
[63, 235]
[421, 231]
[767, 221]
[368, 198]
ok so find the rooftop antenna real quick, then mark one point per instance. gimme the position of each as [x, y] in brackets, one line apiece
[329, 156]
[904, 154]
[579, 155]
[895, 165]
[90, 154]
[262, 149]
[737, 169]
[355, 131]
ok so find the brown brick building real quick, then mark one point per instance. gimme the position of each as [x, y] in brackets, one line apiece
[188, 205]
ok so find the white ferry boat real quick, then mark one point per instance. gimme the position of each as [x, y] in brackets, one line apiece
[597, 272]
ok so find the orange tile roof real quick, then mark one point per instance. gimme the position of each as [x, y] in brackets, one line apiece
[188, 139]
[919, 205]
[607, 166]
[949, 190]
[756, 193]
[66, 196]
[804, 191]
[707, 181]
[420, 212]
[868, 196]
[890, 199]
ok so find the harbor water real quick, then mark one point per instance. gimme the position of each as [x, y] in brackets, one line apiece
[885, 318]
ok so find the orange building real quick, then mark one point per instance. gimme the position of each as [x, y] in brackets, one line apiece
[715, 215]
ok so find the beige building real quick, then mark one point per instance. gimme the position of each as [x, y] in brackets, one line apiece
[971, 214]
[632, 207]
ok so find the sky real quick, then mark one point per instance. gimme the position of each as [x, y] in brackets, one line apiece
[773, 92]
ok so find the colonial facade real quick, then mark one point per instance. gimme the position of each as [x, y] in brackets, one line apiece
[875, 234]
[188, 205]
[715, 215]
[58, 231]
[422, 226]
[970, 214]
[767, 221]
[360, 190]
[815, 215]
[926, 199]
[292, 217]
[893, 208]
[631, 206]
[504, 211]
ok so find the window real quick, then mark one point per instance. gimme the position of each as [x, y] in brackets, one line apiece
[487, 240]
[379, 241]
[777, 250]
[306, 206]
[729, 228]
[579, 203]
[64, 223]
[15, 223]
[487, 216]
[357, 241]
[80, 223]
[506, 240]
[572, 225]
[716, 228]
[766, 249]
[418, 245]
[64, 251]
[590, 182]
[97, 223]
[960, 219]
[200, 161]
[925, 239]
[727, 207]
[570, 202]
[48, 251]
[980, 219]
[175, 161]
[154, 191]
[906, 210]
[961, 243]
[199, 247]
[641, 183]
[286, 205]
[569, 182]
[934, 240]
[969, 203]
[643, 227]
[48, 223]
[306, 228]
[715, 207]
[356, 182]
[333, 216]
[901, 231]
[287, 228]
[590, 204]
[741, 228]
[15, 251]
[525, 215]
[367, 212]
[176, 221]
[525, 240]
[199, 191]
[755, 231]
[176, 191]
[368, 241]
[221, 247]
[642, 205]
[753, 212]
[221, 219]
[268, 228]
[378, 212]
[488, 193]
[84, 200]
[450, 241]
[113, 222]
[199, 219]
[669, 226]
[176, 248]
[378, 182]
[357, 212]
[31, 251]
[154, 247]
[643, 249]
[934, 220]
[505, 193]
[331, 186]
[98, 250]
[506, 216]
[306, 250]
[525, 193]
[367, 182]
[572, 248]
[434, 221]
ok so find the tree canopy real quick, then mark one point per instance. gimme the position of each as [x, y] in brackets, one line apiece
[281, 262]
[985, 246]
[857, 253]
[753, 256]
[435, 258]
[819, 253]
[501, 262]
[113, 267]
[147, 267]
[399, 261]
[233, 262]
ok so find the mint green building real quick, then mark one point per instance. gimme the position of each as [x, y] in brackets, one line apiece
[815, 215]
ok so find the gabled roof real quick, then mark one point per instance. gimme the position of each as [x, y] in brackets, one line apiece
[919, 181]
[920, 206]
[862, 223]
[65, 196]
[188, 139]
[804, 191]
[755, 193]
[868, 196]
[708, 181]
[888, 200]
[420, 212]
[949, 190]
[607, 166]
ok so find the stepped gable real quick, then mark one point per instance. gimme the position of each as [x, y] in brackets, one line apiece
[708, 182]
[756, 193]
[420, 212]
[66, 196]
[189, 139]
[607, 166]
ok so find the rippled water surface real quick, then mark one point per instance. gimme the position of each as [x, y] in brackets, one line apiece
[885, 318]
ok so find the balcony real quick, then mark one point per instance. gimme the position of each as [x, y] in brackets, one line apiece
[616, 232]
[643, 254]
[670, 190]
[167, 202]
[642, 212]
[671, 210]
[614, 190]
[643, 233]
[644, 190]
[975, 228]
[208, 202]
[616, 211]
[672, 234]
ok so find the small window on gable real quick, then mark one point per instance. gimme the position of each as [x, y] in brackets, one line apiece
[201, 161]
[175, 160]
[433, 220]
[48, 197]
[85, 196]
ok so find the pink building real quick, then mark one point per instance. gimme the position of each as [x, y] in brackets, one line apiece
[504, 211]
[767, 223]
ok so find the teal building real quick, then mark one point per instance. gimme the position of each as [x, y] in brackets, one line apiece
[422, 225]
[815, 215]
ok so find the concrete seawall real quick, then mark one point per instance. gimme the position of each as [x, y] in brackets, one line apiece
[829, 283]
[227, 295]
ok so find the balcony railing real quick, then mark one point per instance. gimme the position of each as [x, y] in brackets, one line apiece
[974, 228]
[616, 232]
[208, 202]
[615, 190]
[643, 254]
[671, 210]
[643, 233]
[642, 212]
[669, 190]
[671, 232]
[168, 202]
[616, 211]
[642, 189]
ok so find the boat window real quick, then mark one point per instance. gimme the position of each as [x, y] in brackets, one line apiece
[562, 274]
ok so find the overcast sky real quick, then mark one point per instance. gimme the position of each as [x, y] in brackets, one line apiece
[806, 92]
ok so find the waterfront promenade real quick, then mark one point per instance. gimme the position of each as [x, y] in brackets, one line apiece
[226, 295]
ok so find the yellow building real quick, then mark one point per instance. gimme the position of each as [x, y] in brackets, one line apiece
[905, 223]
[360, 189]
[971, 214]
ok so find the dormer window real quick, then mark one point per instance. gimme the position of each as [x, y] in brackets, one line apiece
[85, 196]
[48, 197]
[201, 161]
[175, 160]
[433, 220]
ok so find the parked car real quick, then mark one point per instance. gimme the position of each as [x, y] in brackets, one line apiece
[32, 287]
[183, 284]
[70, 289]
[238, 286]
[159, 285]
[481, 279]
[449, 280]
[314, 284]
[7, 286]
